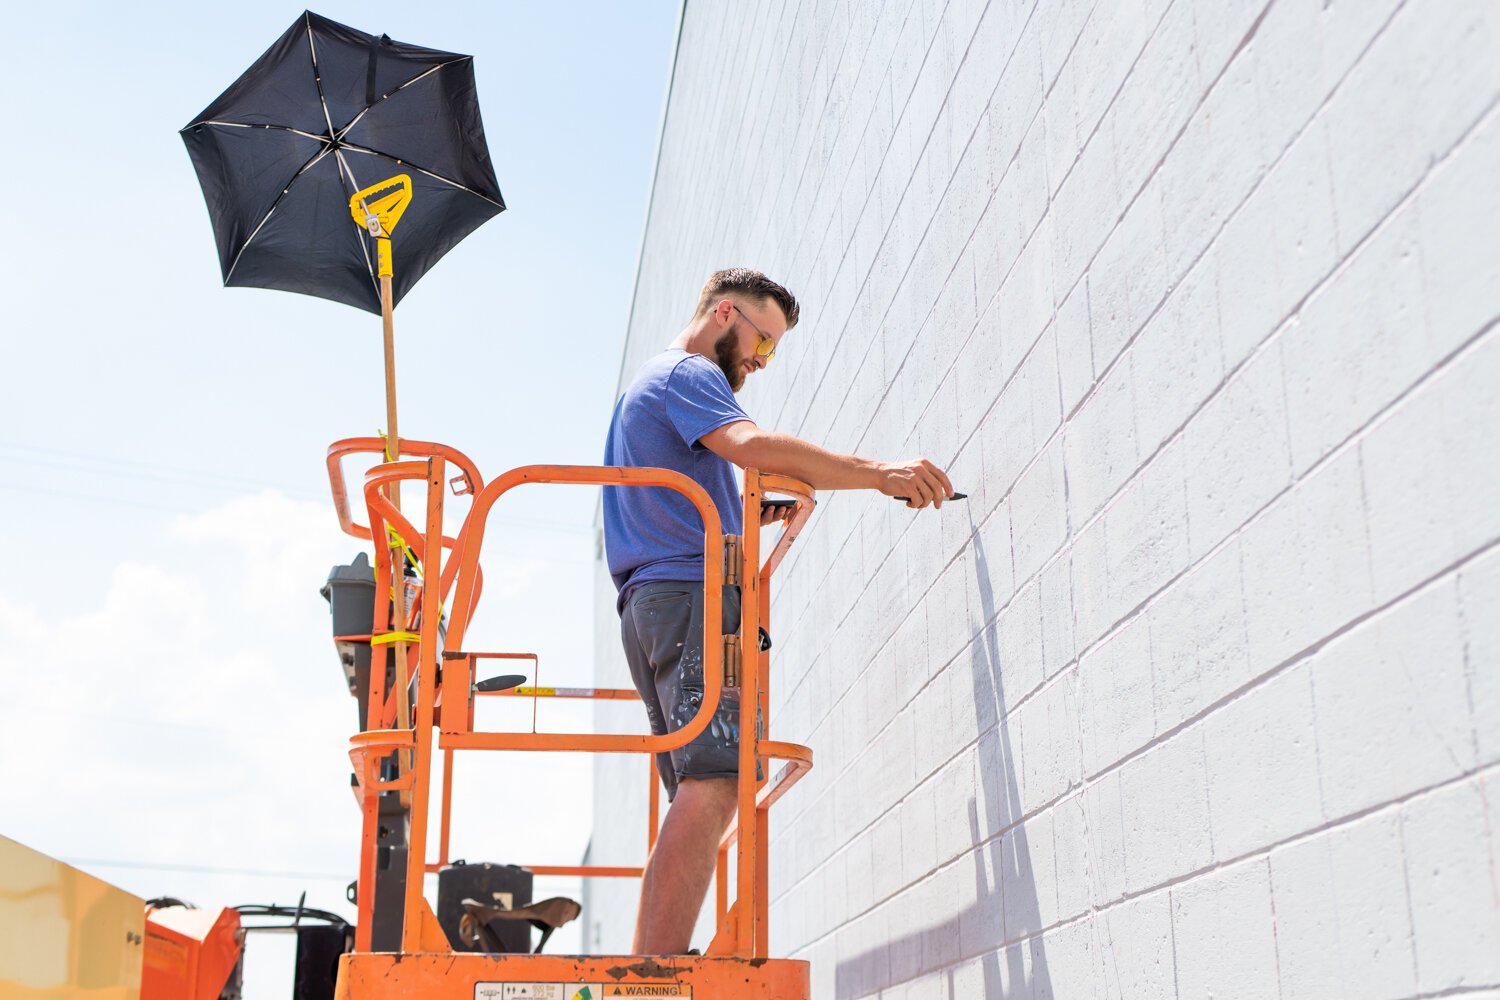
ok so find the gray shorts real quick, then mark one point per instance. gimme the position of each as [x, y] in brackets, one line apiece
[661, 627]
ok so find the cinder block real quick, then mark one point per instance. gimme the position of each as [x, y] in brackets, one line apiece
[981, 929]
[1019, 635]
[1460, 255]
[1115, 690]
[1090, 566]
[1199, 646]
[998, 764]
[1059, 26]
[1048, 723]
[1100, 445]
[1450, 868]
[1429, 506]
[1027, 860]
[1178, 359]
[1306, 565]
[1059, 643]
[956, 776]
[1422, 85]
[1137, 959]
[1075, 864]
[1479, 595]
[1084, 209]
[1165, 802]
[1244, 259]
[1075, 359]
[1146, 532]
[1260, 741]
[1216, 161]
[1237, 453]
[1224, 934]
[1156, 99]
[1015, 111]
[1104, 817]
[1130, 276]
[1401, 675]
[1343, 923]
[918, 833]
[1039, 514]
[1359, 343]
[1073, 957]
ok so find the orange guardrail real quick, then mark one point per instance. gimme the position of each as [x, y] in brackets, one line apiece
[442, 714]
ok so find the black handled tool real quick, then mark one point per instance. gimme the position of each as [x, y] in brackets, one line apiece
[956, 496]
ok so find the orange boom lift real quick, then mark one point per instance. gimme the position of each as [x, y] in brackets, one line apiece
[429, 708]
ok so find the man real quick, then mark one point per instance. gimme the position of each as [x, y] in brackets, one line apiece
[680, 413]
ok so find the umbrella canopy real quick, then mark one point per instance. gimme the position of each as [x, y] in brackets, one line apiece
[325, 112]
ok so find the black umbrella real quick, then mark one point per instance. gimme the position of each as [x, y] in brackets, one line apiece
[327, 111]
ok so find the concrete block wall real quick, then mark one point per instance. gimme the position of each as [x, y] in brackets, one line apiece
[1198, 693]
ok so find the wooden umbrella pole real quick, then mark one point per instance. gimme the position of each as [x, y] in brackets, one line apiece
[398, 560]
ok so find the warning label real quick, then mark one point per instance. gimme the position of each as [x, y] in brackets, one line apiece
[577, 991]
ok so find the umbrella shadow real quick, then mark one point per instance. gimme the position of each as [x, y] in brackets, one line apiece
[1005, 903]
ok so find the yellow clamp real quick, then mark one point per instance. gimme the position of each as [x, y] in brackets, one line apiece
[377, 209]
[389, 637]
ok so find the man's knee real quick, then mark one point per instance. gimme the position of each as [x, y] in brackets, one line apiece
[718, 794]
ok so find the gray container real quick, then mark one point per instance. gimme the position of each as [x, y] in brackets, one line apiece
[350, 592]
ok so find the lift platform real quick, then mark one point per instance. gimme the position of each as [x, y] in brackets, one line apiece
[421, 702]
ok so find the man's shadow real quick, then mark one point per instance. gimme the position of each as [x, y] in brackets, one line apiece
[1004, 882]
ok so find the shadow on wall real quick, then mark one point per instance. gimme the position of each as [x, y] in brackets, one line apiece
[1005, 889]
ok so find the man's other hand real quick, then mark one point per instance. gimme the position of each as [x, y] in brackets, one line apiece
[773, 513]
[918, 479]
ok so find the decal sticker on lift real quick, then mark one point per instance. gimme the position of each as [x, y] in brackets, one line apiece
[577, 991]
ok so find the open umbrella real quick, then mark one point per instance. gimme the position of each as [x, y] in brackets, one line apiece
[326, 113]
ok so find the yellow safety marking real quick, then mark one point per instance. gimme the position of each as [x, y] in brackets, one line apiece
[536, 692]
[390, 637]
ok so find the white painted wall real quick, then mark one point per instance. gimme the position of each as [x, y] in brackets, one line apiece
[1199, 693]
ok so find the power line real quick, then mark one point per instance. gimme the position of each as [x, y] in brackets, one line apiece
[202, 869]
[172, 476]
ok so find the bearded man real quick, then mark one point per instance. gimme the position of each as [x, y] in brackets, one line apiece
[680, 413]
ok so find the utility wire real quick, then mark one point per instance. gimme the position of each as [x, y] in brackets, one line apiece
[173, 476]
[201, 869]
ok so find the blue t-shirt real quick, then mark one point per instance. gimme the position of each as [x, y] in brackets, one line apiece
[650, 532]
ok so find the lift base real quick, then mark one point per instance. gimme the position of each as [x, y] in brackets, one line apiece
[365, 976]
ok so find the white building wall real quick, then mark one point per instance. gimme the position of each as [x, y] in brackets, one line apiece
[1198, 693]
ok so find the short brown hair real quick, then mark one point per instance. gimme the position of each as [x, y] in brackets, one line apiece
[747, 282]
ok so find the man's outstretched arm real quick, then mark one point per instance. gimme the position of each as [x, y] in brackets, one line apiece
[748, 446]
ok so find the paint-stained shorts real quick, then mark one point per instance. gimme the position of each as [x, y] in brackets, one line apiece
[662, 631]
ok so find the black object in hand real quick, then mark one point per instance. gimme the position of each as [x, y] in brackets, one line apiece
[956, 496]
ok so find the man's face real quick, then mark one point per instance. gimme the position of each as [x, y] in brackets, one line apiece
[749, 325]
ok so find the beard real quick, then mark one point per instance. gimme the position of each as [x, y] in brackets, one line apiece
[731, 361]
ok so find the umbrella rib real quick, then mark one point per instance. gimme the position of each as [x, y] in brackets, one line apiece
[385, 97]
[278, 128]
[312, 51]
[351, 147]
[364, 246]
[270, 212]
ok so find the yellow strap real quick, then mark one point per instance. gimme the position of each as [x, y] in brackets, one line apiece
[390, 637]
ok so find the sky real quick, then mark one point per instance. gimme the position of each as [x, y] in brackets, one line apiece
[175, 720]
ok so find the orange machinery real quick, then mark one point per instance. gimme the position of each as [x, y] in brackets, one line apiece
[394, 754]
[191, 954]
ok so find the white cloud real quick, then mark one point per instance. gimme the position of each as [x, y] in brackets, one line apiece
[197, 715]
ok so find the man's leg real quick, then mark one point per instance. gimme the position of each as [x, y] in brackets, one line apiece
[681, 865]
